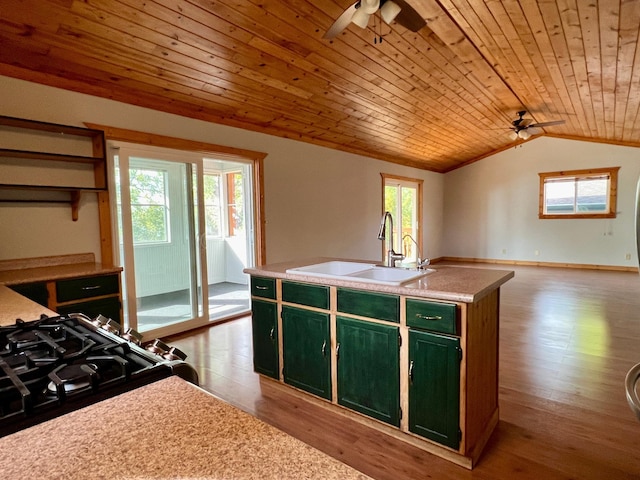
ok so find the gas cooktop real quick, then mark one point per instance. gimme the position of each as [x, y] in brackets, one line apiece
[55, 365]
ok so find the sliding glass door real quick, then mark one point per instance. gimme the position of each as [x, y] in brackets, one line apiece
[229, 235]
[160, 212]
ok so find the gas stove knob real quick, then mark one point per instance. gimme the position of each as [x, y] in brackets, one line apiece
[174, 354]
[100, 320]
[133, 336]
[158, 347]
[112, 326]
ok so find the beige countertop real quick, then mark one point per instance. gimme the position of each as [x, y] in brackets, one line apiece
[450, 283]
[54, 272]
[168, 429]
[13, 306]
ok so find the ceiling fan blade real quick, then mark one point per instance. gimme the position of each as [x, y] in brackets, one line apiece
[342, 22]
[389, 10]
[370, 6]
[547, 124]
[409, 18]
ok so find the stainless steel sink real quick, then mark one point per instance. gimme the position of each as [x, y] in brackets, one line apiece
[360, 272]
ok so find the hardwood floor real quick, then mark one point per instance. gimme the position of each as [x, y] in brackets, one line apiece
[567, 339]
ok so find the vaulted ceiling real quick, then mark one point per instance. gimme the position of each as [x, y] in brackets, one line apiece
[435, 99]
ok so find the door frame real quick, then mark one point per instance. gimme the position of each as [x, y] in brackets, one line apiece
[175, 143]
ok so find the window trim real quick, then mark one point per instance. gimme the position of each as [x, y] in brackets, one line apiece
[611, 172]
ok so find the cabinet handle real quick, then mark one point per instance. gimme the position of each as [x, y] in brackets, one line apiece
[337, 351]
[428, 317]
[260, 287]
[411, 372]
[95, 287]
[324, 349]
[272, 334]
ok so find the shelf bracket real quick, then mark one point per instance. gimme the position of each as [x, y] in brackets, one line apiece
[75, 204]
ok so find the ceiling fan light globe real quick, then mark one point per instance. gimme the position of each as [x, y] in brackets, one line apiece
[369, 6]
[513, 135]
[361, 18]
[524, 135]
[389, 11]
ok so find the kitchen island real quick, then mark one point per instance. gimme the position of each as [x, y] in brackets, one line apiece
[416, 360]
[167, 429]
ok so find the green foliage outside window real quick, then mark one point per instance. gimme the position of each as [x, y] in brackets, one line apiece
[148, 205]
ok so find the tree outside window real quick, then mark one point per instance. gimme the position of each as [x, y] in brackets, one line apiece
[149, 205]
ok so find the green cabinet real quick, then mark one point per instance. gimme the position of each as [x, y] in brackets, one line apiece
[381, 306]
[305, 294]
[36, 292]
[263, 287]
[264, 323]
[368, 368]
[434, 387]
[435, 316]
[306, 348]
[108, 307]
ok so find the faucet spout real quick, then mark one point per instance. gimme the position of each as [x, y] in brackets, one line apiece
[391, 256]
[420, 262]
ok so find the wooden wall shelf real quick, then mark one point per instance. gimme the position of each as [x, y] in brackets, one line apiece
[54, 152]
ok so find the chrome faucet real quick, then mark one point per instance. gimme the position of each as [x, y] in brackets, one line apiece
[420, 263]
[392, 256]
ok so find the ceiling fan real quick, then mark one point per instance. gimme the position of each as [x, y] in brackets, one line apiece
[390, 10]
[523, 128]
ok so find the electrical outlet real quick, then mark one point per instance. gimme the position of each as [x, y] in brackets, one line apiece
[536, 253]
[504, 251]
[627, 256]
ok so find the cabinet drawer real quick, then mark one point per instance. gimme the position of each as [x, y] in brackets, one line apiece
[263, 287]
[109, 307]
[368, 304]
[434, 316]
[87, 287]
[306, 294]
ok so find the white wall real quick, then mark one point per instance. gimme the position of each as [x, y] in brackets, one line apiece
[318, 201]
[492, 205]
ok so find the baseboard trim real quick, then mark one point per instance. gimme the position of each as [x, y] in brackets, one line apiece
[581, 266]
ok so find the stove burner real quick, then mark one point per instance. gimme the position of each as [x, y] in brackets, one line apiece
[72, 378]
[52, 366]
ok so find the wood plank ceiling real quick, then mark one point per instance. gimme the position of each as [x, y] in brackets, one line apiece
[435, 99]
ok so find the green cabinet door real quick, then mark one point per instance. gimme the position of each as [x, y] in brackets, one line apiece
[264, 323]
[434, 387]
[306, 344]
[368, 368]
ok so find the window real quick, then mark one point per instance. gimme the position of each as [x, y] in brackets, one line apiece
[235, 206]
[403, 198]
[579, 193]
[149, 205]
[212, 205]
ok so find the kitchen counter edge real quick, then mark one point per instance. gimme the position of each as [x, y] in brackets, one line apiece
[449, 283]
